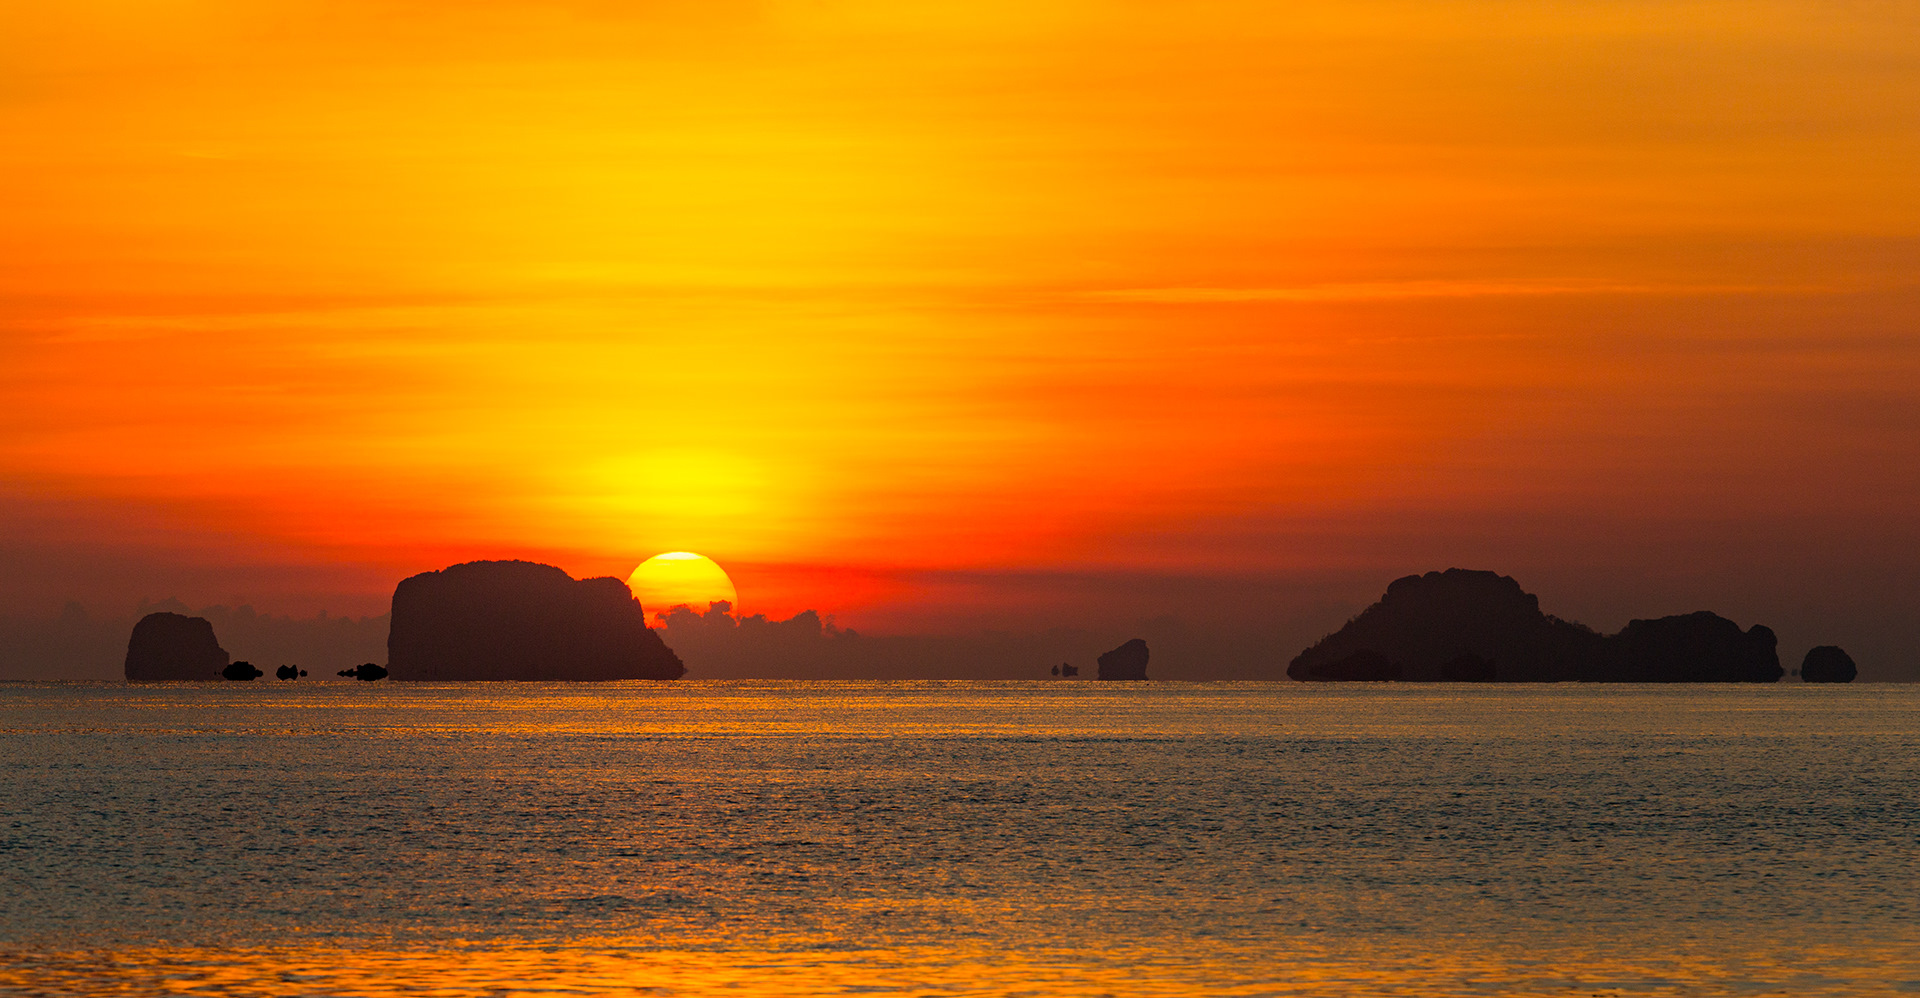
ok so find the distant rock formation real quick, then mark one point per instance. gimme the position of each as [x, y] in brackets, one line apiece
[1471, 626]
[242, 672]
[1453, 626]
[366, 673]
[517, 620]
[1827, 664]
[288, 672]
[1699, 647]
[171, 646]
[1127, 662]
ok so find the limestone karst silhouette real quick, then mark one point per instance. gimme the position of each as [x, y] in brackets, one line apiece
[1473, 626]
[366, 672]
[1457, 625]
[1827, 664]
[170, 646]
[1699, 647]
[518, 620]
[1127, 662]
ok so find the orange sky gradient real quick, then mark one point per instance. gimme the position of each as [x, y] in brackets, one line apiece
[919, 313]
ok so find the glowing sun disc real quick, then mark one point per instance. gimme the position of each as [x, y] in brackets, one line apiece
[665, 581]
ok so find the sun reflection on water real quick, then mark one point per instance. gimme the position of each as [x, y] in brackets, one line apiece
[611, 966]
[956, 838]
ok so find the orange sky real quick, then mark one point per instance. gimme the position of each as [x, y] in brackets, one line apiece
[298, 298]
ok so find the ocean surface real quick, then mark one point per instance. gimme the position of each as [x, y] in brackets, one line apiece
[944, 838]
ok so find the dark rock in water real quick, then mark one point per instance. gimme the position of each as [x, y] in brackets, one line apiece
[1699, 647]
[170, 646]
[1129, 661]
[1481, 627]
[1453, 626]
[1827, 664]
[288, 672]
[517, 620]
[366, 673]
[1069, 671]
[242, 672]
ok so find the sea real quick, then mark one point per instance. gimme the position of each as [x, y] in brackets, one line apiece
[958, 838]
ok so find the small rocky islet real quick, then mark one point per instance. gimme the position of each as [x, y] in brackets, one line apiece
[1827, 664]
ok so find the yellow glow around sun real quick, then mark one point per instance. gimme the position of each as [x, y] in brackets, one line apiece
[665, 581]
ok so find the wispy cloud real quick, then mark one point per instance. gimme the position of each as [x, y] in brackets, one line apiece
[1393, 290]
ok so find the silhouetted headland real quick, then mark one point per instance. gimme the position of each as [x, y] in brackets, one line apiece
[171, 646]
[517, 620]
[1129, 661]
[1827, 664]
[1469, 626]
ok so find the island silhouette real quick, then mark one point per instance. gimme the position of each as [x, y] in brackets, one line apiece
[1827, 664]
[520, 620]
[243, 672]
[1462, 625]
[171, 646]
[483, 620]
[1127, 662]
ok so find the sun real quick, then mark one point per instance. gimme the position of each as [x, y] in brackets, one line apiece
[665, 581]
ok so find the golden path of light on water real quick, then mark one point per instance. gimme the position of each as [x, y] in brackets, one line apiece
[802, 967]
[1041, 839]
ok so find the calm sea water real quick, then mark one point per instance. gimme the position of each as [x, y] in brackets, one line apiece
[958, 838]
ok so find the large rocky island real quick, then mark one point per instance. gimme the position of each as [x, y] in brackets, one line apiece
[174, 647]
[517, 620]
[1126, 663]
[1469, 626]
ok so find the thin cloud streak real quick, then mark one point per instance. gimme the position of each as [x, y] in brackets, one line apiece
[1402, 290]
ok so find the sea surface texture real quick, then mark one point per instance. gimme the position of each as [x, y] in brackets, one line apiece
[1058, 838]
